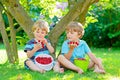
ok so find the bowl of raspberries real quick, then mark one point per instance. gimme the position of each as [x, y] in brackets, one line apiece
[44, 61]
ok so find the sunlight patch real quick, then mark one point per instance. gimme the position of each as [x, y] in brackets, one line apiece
[22, 56]
[22, 77]
[114, 78]
[56, 78]
[3, 56]
[68, 77]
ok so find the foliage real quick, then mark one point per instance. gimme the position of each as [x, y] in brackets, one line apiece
[105, 31]
[22, 38]
[44, 9]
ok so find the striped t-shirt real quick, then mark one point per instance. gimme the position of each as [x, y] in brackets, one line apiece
[30, 45]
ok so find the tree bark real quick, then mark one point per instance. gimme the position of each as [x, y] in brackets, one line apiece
[82, 16]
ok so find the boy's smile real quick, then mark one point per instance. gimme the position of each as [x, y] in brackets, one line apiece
[39, 34]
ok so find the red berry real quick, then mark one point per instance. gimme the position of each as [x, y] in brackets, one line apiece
[38, 40]
[35, 42]
[77, 43]
[44, 60]
[42, 44]
[81, 58]
[70, 42]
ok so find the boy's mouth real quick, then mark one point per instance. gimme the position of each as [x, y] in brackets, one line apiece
[69, 38]
[40, 36]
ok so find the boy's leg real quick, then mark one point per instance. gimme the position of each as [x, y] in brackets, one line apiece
[57, 68]
[91, 64]
[66, 63]
[33, 67]
[97, 68]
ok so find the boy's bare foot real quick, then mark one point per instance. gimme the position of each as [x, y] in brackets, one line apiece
[61, 70]
[80, 71]
[42, 71]
[99, 71]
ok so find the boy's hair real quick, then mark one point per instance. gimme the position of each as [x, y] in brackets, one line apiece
[42, 25]
[76, 27]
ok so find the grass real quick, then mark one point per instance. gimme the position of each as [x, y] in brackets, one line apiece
[110, 57]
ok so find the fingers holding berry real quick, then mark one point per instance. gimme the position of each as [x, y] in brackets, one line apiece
[72, 44]
[41, 43]
[37, 47]
[44, 41]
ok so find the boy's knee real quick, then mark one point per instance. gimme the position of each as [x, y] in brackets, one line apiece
[60, 57]
[28, 62]
[99, 59]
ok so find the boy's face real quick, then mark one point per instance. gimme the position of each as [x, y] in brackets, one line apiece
[72, 35]
[39, 34]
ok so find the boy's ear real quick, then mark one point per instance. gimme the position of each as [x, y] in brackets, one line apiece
[79, 35]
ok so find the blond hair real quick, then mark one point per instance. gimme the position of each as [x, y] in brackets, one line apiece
[76, 27]
[42, 25]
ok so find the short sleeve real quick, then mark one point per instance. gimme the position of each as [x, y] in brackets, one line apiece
[65, 48]
[29, 46]
[86, 48]
[48, 41]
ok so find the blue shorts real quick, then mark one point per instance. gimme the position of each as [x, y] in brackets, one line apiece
[32, 59]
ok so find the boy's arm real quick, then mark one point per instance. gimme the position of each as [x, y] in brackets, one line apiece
[31, 52]
[69, 54]
[50, 48]
[94, 59]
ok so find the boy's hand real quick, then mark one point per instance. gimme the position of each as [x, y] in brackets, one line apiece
[44, 41]
[72, 45]
[37, 46]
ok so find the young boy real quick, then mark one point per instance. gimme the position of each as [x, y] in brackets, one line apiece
[73, 48]
[39, 45]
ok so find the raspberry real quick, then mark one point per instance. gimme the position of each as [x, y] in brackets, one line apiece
[44, 60]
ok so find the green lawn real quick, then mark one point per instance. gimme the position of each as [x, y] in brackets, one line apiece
[111, 62]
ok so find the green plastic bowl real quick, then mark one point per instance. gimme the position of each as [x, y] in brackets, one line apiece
[81, 63]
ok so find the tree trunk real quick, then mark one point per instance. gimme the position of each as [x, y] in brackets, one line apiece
[5, 39]
[82, 16]
[19, 14]
[86, 6]
[13, 39]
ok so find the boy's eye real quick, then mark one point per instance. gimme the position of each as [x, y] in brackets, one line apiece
[37, 31]
[71, 32]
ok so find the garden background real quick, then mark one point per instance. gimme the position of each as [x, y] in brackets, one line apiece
[101, 20]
